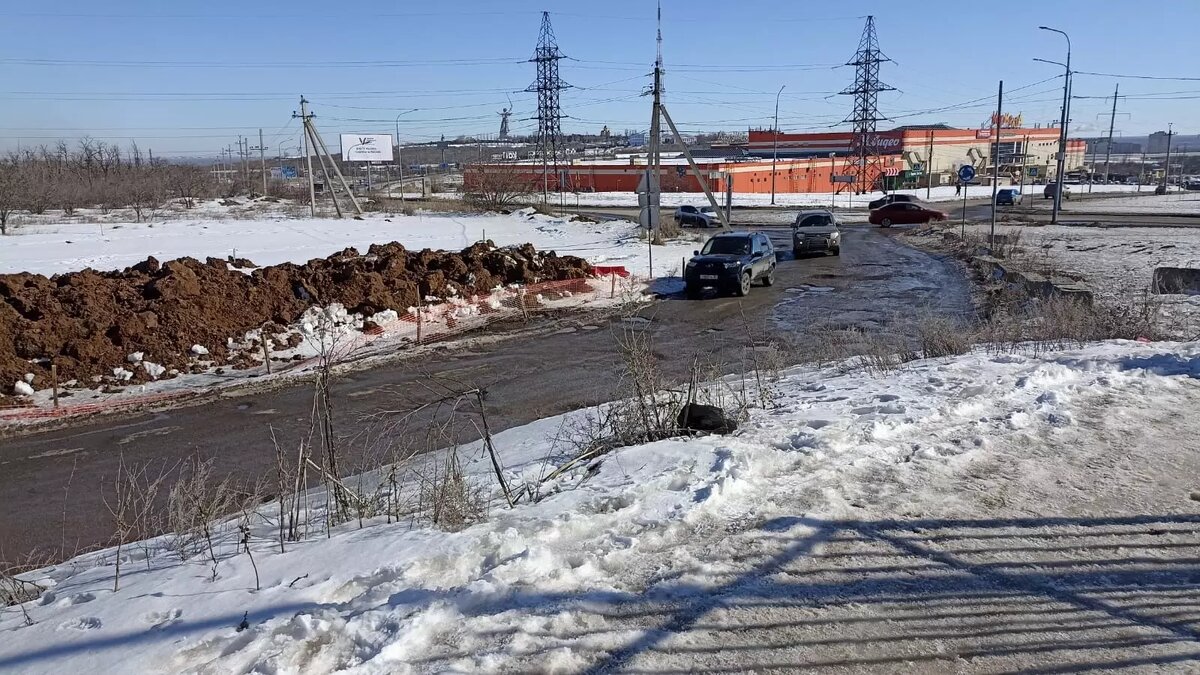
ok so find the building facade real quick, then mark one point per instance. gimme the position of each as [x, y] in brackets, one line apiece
[938, 151]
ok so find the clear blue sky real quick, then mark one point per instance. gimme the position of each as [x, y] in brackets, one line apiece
[187, 78]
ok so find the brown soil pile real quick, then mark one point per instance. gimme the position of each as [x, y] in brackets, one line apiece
[88, 322]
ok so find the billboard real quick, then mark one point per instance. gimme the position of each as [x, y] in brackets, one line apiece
[366, 147]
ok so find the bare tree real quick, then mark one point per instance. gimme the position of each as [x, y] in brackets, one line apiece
[11, 188]
[496, 186]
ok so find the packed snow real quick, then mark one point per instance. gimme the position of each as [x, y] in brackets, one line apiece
[984, 513]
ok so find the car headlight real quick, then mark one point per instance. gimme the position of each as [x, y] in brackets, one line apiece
[732, 265]
[691, 263]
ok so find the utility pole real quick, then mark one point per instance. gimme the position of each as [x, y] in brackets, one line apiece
[832, 185]
[1142, 171]
[1024, 161]
[996, 158]
[1167, 167]
[312, 186]
[262, 159]
[1112, 120]
[775, 145]
[929, 168]
[654, 163]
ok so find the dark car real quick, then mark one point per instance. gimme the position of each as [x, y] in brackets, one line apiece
[731, 263]
[816, 230]
[1048, 193]
[1008, 197]
[903, 214]
[891, 199]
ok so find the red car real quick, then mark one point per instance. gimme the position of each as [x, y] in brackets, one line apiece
[903, 213]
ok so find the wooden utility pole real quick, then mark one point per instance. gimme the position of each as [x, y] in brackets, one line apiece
[312, 187]
[318, 144]
[262, 160]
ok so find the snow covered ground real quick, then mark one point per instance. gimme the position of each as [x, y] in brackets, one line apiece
[1174, 202]
[814, 199]
[1116, 263]
[983, 513]
[49, 247]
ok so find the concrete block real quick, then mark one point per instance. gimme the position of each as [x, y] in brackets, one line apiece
[1176, 281]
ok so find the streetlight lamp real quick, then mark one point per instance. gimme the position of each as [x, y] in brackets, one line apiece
[775, 145]
[1066, 117]
[400, 154]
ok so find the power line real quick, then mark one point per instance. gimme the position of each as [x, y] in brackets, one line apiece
[1138, 77]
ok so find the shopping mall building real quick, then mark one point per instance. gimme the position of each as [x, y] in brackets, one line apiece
[908, 156]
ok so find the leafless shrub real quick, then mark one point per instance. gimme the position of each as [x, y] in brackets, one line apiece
[133, 508]
[16, 591]
[195, 504]
[495, 186]
[451, 501]
[940, 335]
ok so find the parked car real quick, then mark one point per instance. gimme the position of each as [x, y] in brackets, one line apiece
[1008, 197]
[902, 213]
[731, 262]
[816, 230]
[1048, 193]
[703, 216]
[1192, 184]
[891, 199]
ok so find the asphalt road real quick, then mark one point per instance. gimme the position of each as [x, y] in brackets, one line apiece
[53, 483]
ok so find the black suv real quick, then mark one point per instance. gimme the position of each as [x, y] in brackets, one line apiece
[731, 262]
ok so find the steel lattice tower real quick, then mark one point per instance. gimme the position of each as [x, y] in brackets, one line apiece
[547, 86]
[864, 163]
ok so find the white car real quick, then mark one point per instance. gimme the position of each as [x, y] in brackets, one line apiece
[703, 216]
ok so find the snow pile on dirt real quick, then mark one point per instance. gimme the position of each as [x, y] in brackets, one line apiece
[953, 497]
[185, 315]
[53, 248]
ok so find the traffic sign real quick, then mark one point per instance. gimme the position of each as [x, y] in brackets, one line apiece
[1033, 171]
[966, 173]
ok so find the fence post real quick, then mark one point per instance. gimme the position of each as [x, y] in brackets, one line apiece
[54, 383]
[420, 320]
[612, 293]
[266, 348]
[524, 308]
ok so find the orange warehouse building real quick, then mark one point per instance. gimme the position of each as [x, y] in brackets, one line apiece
[808, 162]
[791, 175]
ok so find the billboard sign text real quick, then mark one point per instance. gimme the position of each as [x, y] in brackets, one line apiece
[366, 147]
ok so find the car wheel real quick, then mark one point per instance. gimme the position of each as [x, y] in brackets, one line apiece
[837, 250]
[692, 292]
[743, 288]
[886, 222]
[769, 279]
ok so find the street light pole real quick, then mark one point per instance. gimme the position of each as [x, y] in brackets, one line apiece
[400, 154]
[775, 145]
[1062, 129]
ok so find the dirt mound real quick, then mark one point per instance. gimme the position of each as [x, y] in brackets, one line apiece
[88, 323]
